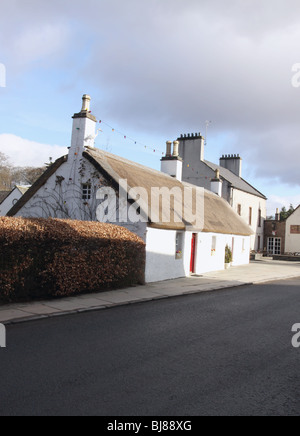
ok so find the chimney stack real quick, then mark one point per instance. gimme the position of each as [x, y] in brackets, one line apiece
[217, 184]
[232, 163]
[83, 131]
[172, 164]
[278, 215]
[191, 147]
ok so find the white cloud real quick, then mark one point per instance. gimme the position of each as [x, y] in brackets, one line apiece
[39, 42]
[23, 152]
[276, 201]
[167, 66]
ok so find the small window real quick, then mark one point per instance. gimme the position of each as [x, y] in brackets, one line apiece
[179, 245]
[86, 191]
[250, 216]
[213, 245]
[239, 209]
[259, 218]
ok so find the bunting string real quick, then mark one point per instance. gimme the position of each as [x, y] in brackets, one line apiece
[132, 140]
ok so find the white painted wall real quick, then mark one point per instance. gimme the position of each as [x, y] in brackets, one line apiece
[292, 241]
[173, 168]
[10, 201]
[161, 262]
[247, 201]
[208, 261]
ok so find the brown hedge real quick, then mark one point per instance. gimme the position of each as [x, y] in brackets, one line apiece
[42, 258]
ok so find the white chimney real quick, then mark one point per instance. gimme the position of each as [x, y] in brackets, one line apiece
[172, 164]
[84, 130]
[217, 184]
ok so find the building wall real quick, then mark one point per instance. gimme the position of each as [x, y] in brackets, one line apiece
[274, 229]
[9, 202]
[198, 173]
[208, 260]
[256, 203]
[64, 199]
[161, 262]
[61, 195]
[292, 241]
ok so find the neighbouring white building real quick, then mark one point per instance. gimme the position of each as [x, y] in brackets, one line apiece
[12, 198]
[292, 232]
[85, 184]
[244, 199]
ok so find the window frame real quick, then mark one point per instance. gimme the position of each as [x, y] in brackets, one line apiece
[86, 189]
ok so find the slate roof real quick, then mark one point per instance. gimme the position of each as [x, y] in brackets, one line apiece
[236, 182]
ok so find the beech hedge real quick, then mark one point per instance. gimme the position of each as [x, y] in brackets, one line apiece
[42, 258]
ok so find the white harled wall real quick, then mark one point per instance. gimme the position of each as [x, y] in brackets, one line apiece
[246, 201]
[161, 262]
[292, 240]
[10, 201]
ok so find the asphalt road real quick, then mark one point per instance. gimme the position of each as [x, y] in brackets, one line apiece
[222, 353]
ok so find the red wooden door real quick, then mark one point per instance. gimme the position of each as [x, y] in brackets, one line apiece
[193, 253]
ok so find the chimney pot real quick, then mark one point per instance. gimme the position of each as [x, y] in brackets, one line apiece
[86, 103]
[176, 149]
[169, 149]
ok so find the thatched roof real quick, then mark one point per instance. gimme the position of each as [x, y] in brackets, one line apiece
[218, 216]
[22, 188]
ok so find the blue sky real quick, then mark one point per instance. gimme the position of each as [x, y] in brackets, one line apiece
[156, 69]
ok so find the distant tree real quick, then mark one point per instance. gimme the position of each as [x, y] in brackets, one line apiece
[285, 214]
[5, 173]
[26, 175]
[11, 176]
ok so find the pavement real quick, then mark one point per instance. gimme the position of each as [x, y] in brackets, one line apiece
[255, 273]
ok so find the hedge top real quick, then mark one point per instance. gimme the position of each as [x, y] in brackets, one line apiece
[28, 229]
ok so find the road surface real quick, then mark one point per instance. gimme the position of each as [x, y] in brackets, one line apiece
[221, 353]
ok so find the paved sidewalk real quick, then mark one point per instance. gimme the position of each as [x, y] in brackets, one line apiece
[256, 272]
